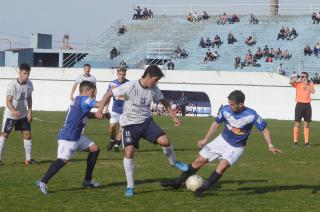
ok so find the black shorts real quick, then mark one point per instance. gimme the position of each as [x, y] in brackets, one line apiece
[18, 124]
[303, 110]
[148, 130]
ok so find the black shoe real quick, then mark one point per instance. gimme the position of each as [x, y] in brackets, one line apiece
[170, 183]
[110, 145]
[198, 194]
[307, 145]
[31, 162]
[116, 148]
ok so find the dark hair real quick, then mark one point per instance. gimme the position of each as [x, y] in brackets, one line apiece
[153, 71]
[86, 85]
[24, 67]
[121, 69]
[237, 96]
[305, 74]
[87, 65]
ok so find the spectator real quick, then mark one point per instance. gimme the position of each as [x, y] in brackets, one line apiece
[231, 38]
[189, 17]
[208, 57]
[259, 54]
[280, 70]
[184, 53]
[307, 50]
[249, 59]
[178, 53]
[114, 53]
[286, 55]
[281, 34]
[205, 15]
[123, 64]
[183, 101]
[122, 30]
[278, 54]
[196, 17]
[314, 17]
[316, 50]
[170, 65]
[266, 51]
[318, 17]
[272, 53]
[150, 13]
[293, 75]
[237, 62]
[253, 20]
[137, 14]
[221, 20]
[286, 32]
[217, 41]
[215, 56]
[293, 34]
[269, 59]
[250, 41]
[145, 14]
[316, 79]
[208, 42]
[202, 43]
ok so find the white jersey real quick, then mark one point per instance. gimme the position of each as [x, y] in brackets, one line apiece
[21, 94]
[137, 101]
[82, 77]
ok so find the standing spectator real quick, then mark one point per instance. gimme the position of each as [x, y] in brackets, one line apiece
[205, 15]
[304, 89]
[170, 65]
[196, 17]
[183, 101]
[316, 50]
[150, 13]
[202, 43]
[145, 14]
[280, 70]
[137, 13]
[114, 53]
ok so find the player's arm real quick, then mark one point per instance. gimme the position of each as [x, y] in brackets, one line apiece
[209, 136]
[167, 105]
[267, 137]
[92, 115]
[29, 116]
[101, 104]
[9, 103]
[74, 87]
[294, 80]
[311, 88]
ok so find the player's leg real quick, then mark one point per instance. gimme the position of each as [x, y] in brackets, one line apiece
[298, 117]
[307, 119]
[24, 126]
[7, 126]
[118, 139]
[112, 132]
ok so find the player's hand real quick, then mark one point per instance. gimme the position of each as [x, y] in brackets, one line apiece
[71, 98]
[99, 115]
[275, 150]
[107, 115]
[177, 122]
[16, 114]
[29, 116]
[201, 143]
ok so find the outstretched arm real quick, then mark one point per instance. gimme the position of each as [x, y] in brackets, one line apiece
[73, 90]
[212, 130]
[167, 105]
[101, 104]
[267, 137]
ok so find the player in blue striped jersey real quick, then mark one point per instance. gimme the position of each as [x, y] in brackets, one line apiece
[229, 145]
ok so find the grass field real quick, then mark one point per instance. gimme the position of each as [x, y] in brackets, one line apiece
[259, 181]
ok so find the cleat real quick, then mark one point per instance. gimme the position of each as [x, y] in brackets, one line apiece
[198, 194]
[181, 166]
[30, 162]
[42, 187]
[129, 192]
[116, 148]
[307, 145]
[170, 183]
[90, 183]
[110, 145]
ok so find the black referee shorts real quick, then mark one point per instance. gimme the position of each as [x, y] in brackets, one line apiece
[303, 110]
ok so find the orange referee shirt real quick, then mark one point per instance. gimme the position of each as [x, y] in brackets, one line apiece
[303, 93]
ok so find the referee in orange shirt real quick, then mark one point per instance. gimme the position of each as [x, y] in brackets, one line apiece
[304, 89]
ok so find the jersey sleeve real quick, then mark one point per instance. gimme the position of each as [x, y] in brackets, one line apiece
[158, 96]
[78, 79]
[94, 81]
[10, 89]
[294, 84]
[122, 90]
[87, 103]
[259, 122]
[220, 118]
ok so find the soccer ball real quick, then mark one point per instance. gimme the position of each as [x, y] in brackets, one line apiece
[194, 182]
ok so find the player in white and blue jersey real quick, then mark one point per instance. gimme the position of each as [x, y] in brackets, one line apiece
[117, 109]
[229, 145]
[71, 139]
[136, 120]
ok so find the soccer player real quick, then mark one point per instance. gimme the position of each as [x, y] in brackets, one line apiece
[86, 76]
[137, 122]
[304, 89]
[18, 111]
[229, 145]
[71, 139]
[117, 108]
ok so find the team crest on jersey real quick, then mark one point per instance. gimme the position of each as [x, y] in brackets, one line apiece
[235, 130]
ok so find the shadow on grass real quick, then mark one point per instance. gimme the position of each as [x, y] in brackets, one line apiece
[175, 149]
[78, 160]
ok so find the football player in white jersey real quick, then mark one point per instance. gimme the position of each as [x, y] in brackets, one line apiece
[136, 120]
[18, 111]
[86, 76]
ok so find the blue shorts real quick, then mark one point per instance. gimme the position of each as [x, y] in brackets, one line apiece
[18, 124]
[148, 130]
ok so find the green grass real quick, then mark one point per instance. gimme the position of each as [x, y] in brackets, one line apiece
[259, 181]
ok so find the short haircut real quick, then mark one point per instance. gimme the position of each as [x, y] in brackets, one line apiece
[24, 67]
[306, 73]
[121, 69]
[153, 71]
[237, 96]
[87, 65]
[86, 85]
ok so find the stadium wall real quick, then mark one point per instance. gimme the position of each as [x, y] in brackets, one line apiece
[268, 93]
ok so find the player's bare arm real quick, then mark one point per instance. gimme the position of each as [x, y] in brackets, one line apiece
[209, 136]
[74, 87]
[293, 80]
[29, 115]
[101, 104]
[166, 104]
[267, 137]
[9, 103]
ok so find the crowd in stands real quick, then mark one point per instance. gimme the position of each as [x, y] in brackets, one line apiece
[316, 17]
[180, 53]
[195, 17]
[227, 19]
[114, 53]
[308, 50]
[208, 43]
[210, 56]
[286, 33]
[142, 15]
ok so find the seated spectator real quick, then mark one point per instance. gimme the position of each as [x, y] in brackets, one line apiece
[196, 17]
[253, 20]
[249, 59]
[281, 34]
[145, 14]
[293, 34]
[184, 53]
[178, 53]
[318, 17]
[315, 79]
[231, 38]
[280, 70]
[272, 53]
[208, 56]
[217, 41]
[258, 54]
[286, 55]
[170, 65]
[137, 13]
[202, 43]
[250, 41]
[215, 56]
[293, 75]
[314, 17]
[123, 64]
[316, 50]
[269, 59]
[266, 51]
[234, 18]
[278, 54]
[307, 50]
[189, 17]
[237, 62]
[208, 42]
[150, 13]
[205, 15]
[222, 20]
[114, 53]
[122, 30]
[286, 32]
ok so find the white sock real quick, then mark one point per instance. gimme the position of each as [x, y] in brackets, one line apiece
[2, 141]
[27, 148]
[129, 170]
[169, 152]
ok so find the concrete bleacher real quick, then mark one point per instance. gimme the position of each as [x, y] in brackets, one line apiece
[176, 30]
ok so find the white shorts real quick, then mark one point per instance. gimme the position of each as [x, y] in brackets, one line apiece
[115, 117]
[66, 149]
[219, 148]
